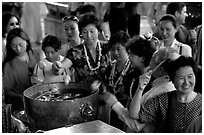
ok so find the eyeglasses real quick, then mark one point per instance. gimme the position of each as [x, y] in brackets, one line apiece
[72, 18]
[12, 24]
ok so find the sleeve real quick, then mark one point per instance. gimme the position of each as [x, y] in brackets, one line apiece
[187, 51]
[148, 112]
[8, 77]
[39, 74]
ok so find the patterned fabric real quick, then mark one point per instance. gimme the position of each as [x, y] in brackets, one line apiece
[180, 115]
[159, 86]
[195, 126]
[122, 89]
[83, 73]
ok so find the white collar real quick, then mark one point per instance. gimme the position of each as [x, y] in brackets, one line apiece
[175, 43]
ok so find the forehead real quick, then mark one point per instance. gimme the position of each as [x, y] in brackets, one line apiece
[70, 23]
[166, 23]
[17, 40]
[89, 26]
[182, 71]
[13, 19]
[49, 49]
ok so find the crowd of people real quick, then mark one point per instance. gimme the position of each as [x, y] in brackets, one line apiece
[144, 86]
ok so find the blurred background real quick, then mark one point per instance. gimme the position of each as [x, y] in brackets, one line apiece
[41, 18]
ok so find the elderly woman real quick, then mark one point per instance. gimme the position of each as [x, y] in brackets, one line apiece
[169, 112]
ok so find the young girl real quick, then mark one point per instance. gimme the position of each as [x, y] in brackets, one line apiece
[43, 70]
[18, 66]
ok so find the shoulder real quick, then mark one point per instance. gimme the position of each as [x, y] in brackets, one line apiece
[195, 126]
[184, 46]
[182, 28]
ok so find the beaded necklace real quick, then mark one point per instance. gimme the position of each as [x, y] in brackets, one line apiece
[98, 49]
[120, 78]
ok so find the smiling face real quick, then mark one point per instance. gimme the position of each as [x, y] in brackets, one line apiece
[167, 30]
[90, 34]
[71, 30]
[118, 52]
[184, 80]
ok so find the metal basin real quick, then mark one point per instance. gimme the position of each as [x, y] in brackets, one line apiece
[46, 115]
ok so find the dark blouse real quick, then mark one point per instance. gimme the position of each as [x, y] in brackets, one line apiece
[180, 115]
[83, 73]
[16, 78]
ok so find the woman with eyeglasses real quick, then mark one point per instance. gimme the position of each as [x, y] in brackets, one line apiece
[17, 67]
[9, 21]
[71, 29]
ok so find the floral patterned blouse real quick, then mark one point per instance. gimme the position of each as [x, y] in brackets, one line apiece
[86, 69]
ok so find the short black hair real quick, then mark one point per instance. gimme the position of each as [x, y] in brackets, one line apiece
[52, 41]
[89, 19]
[182, 61]
[171, 18]
[88, 8]
[172, 7]
[141, 47]
[120, 37]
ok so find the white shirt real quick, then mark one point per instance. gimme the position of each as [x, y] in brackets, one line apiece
[48, 76]
[185, 49]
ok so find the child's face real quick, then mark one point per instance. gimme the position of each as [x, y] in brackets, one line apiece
[51, 54]
[19, 45]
